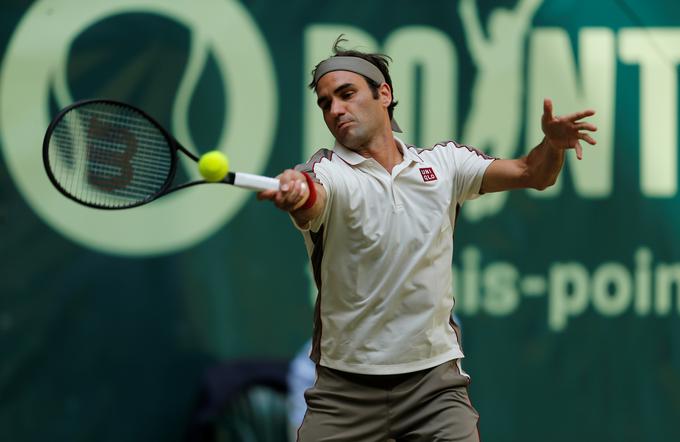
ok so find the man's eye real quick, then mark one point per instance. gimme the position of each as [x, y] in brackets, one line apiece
[347, 94]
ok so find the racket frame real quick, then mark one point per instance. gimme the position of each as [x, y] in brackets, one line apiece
[173, 146]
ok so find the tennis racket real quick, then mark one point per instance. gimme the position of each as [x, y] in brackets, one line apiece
[110, 155]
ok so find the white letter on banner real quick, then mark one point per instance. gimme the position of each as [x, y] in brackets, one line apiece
[501, 296]
[430, 50]
[552, 74]
[667, 277]
[615, 276]
[643, 281]
[568, 289]
[657, 51]
[318, 44]
[471, 258]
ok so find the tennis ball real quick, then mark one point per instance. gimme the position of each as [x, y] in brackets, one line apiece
[213, 166]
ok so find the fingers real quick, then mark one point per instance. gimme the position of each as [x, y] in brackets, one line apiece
[266, 195]
[578, 147]
[585, 126]
[579, 127]
[292, 193]
[579, 150]
[587, 138]
[579, 115]
[574, 117]
[547, 109]
[568, 131]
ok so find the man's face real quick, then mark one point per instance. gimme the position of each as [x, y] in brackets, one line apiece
[349, 109]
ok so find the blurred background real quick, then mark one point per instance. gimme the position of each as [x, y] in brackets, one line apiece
[177, 321]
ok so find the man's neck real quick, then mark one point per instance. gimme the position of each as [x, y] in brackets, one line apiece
[384, 149]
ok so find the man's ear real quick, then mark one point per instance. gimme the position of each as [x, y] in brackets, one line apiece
[385, 94]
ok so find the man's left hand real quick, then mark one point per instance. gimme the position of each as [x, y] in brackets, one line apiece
[566, 132]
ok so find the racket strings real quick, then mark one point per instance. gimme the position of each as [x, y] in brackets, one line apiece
[109, 155]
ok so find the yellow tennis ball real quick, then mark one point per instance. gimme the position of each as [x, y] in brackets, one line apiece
[213, 166]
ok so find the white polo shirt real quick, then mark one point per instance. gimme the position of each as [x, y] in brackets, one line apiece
[381, 254]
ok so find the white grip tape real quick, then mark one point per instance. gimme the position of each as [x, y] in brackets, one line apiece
[255, 182]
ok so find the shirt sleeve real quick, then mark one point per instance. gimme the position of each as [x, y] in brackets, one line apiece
[470, 165]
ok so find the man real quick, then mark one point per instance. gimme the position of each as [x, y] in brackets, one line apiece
[378, 217]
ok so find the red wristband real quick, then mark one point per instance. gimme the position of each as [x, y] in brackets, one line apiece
[311, 199]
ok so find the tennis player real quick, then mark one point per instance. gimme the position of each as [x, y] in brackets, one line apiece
[378, 219]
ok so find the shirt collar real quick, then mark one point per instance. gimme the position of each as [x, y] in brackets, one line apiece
[353, 158]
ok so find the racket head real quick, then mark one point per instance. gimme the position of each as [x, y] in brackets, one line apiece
[108, 155]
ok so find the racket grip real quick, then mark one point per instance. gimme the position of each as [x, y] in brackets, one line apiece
[255, 182]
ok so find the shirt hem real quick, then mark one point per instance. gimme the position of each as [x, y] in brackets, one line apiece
[407, 367]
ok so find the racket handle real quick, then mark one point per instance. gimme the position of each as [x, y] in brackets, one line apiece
[255, 182]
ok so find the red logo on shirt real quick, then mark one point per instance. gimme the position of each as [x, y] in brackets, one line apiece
[428, 174]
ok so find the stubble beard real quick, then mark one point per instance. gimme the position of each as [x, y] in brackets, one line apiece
[356, 137]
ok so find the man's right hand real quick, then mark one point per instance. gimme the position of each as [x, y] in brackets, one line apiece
[292, 194]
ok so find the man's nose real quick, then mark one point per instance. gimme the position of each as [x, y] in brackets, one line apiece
[337, 108]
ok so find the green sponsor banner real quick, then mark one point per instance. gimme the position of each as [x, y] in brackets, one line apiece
[569, 298]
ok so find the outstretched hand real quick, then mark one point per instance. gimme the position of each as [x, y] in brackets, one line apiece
[566, 132]
[292, 193]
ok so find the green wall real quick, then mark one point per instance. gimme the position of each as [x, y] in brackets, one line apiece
[570, 298]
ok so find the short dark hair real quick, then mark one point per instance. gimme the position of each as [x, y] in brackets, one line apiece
[381, 61]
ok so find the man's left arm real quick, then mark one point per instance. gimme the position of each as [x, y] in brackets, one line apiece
[540, 168]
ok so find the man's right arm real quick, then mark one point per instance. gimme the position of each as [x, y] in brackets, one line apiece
[295, 196]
